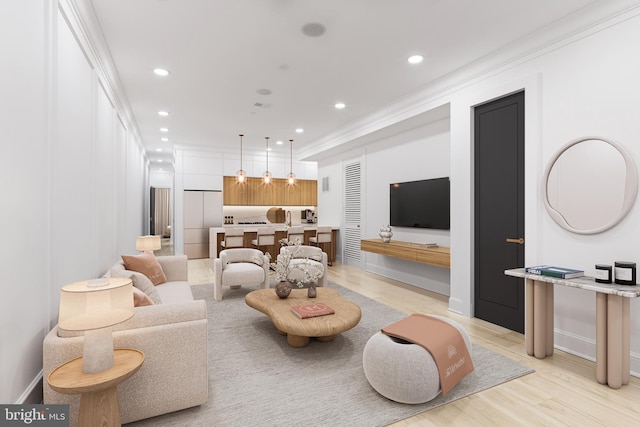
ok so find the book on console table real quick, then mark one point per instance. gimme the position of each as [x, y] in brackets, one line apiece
[316, 309]
[557, 272]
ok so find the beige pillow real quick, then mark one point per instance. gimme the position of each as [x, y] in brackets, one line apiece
[140, 299]
[147, 264]
[139, 281]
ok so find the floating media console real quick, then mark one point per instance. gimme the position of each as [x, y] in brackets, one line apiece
[418, 252]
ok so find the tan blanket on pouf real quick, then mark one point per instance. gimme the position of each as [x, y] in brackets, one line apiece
[442, 340]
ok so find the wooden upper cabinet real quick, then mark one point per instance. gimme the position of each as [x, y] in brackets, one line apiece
[253, 193]
[293, 195]
[262, 195]
[310, 192]
[234, 194]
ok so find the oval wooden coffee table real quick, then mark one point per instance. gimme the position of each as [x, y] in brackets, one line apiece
[298, 331]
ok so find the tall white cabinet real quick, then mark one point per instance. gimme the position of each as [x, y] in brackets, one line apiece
[202, 210]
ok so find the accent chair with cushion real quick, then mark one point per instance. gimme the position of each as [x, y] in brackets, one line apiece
[239, 267]
[309, 257]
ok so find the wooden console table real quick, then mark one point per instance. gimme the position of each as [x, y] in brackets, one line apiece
[613, 364]
[438, 256]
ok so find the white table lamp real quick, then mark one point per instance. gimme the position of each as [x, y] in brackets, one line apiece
[148, 243]
[94, 306]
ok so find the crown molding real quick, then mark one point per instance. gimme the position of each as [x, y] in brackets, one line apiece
[589, 20]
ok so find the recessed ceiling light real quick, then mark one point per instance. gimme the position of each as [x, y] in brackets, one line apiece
[159, 150]
[299, 130]
[269, 149]
[160, 161]
[279, 142]
[163, 113]
[164, 129]
[415, 59]
[340, 105]
[164, 139]
[161, 72]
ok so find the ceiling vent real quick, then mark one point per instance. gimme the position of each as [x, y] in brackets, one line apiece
[313, 29]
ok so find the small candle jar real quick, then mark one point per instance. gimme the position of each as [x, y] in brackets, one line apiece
[625, 273]
[603, 273]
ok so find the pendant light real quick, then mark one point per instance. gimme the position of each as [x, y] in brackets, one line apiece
[266, 176]
[291, 178]
[241, 175]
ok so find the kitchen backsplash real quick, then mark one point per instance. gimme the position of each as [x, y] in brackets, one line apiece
[258, 214]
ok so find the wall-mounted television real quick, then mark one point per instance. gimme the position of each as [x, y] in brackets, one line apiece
[420, 204]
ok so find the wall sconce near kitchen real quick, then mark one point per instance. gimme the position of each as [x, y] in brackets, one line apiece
[241, 175]
[266, 176]
[291, 178]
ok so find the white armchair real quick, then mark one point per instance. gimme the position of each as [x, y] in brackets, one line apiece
[313, 256]
[237, 267]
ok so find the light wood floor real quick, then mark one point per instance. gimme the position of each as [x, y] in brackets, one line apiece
[562, 391]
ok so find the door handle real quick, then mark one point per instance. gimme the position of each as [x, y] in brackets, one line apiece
[519, 240]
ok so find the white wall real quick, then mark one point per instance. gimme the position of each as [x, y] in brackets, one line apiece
[585, 84]
[410, 155]
[73, 182]
[24, 276]
[161, 178]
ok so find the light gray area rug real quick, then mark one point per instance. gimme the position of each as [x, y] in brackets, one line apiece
[257, 379]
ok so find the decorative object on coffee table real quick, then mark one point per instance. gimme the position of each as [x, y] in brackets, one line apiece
[312, 290]
[283, 289]
[386, 233]
[294, 269]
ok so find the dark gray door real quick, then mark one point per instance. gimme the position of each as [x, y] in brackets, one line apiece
[499, 210]
[152, 211]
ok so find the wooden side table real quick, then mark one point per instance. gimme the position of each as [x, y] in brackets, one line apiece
[99, 405]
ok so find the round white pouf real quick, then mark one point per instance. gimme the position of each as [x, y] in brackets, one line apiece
[402, 372]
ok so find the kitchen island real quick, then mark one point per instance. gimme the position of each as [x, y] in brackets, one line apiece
[216, 235]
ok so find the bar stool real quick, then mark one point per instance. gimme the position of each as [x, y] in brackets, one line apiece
[233, 238]
[322, 237]
[296, 232]
[266, 237]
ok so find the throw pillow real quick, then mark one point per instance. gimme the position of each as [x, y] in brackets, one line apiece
[141, 282]
[140, 299]
[147, 264]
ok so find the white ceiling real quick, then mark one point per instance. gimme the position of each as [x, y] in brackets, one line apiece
[221, 52]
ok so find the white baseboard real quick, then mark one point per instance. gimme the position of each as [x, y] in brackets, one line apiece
[586, 348]
[33, 393]
[458, 306]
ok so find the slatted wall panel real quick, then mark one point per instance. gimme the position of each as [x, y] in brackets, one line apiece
[352, 201]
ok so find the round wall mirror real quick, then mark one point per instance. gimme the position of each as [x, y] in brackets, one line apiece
[589, 185]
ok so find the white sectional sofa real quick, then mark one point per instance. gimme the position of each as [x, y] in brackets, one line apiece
[172, 334]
